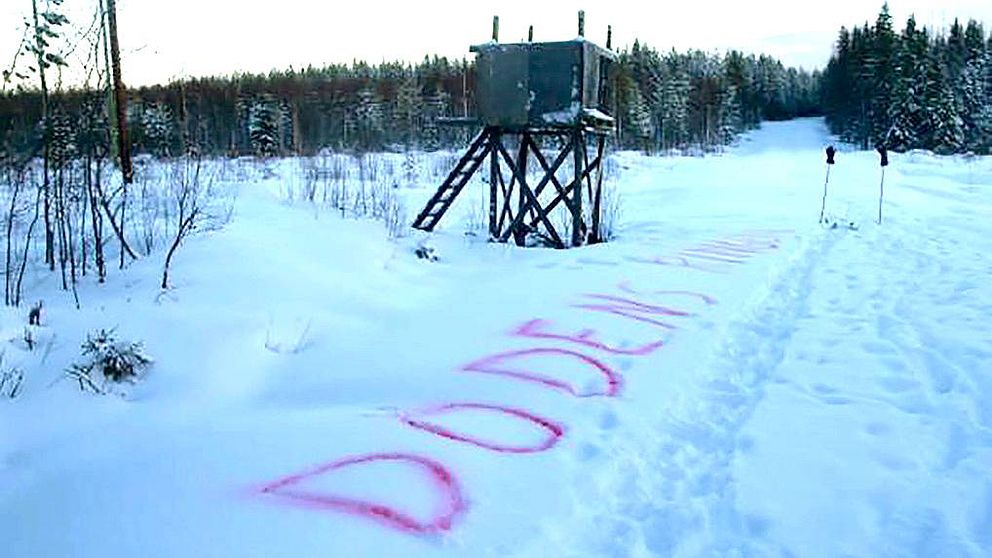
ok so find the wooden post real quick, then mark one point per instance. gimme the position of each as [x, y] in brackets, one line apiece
[597, 202]
[578, 138]
[493, 138]
[582, 23]
[522, 154]
[495, 29]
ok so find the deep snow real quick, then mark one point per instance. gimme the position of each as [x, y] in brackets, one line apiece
[727, 378]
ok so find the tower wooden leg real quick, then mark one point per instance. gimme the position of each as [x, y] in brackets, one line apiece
[578, 149]
[493, 187]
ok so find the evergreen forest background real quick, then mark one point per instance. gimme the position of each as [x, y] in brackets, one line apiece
[908, 89]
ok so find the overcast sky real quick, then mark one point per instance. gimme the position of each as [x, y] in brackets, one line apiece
[167, 39]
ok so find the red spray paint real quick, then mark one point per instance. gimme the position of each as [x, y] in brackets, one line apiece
[731, 248]
[625, 287]
[721, 251]
[675, 261]
[497, 365]
[703, 255]
[632, 309]
[451, 503]
[750, 245]
[538, 329]
[554, 430]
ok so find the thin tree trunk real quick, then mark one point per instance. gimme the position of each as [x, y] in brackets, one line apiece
[120, 96]
[185, 226]
[120, 104]
[39, 48]
[60, 216]
[83, 245]
[184, 135]
[113, 225]
[27, 246]
[97, 223]
[68, 211]
[8, 275]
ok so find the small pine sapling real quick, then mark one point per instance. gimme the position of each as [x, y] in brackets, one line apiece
[117, 361]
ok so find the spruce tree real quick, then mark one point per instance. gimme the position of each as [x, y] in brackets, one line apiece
[905, 112]
[263, 127]
[883, 76]
[407, 110]
[156, 128]
[942, 128]
[674, 109]
[730, 114]
[977, 111]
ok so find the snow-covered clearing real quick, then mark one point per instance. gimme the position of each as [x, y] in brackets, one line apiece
[727, 378]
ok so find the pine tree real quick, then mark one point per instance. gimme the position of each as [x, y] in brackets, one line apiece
[263, 127]
[883, 63]
[975, 94]
[905, 111]
[407, 111]
[942, 128]
[368, 119]
[837, 86]
[974, 41]
[977, 109]
[436, 106]
[638, 118]
[674, 107]
[730, 115]
[156, 127]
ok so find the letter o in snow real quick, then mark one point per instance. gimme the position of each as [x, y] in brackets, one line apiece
[497, 365]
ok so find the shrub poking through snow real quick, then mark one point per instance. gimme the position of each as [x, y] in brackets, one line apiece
[426, 252]
[11, 380]
[117, 361]
[10, 383]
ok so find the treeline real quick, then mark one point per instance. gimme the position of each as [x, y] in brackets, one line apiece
[911, 90]
[663, 101]
[359, 106]
[695, 99]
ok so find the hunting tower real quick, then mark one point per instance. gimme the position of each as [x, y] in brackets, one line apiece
[531, 97]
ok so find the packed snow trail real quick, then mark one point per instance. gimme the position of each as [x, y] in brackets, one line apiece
[727, 378]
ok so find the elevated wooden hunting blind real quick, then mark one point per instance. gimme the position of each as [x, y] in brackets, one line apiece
[531, 95]
[542, 84]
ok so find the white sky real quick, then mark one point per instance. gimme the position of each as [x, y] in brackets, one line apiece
[165, 39]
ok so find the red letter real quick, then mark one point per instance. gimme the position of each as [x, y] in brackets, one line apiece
[625, 287]
[496, 365]
[632, 309]
[677, 261]
[701, 254]
[554, 430]
[537, 329]
[451, 504]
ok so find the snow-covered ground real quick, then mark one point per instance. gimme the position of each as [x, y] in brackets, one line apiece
[727, 378]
